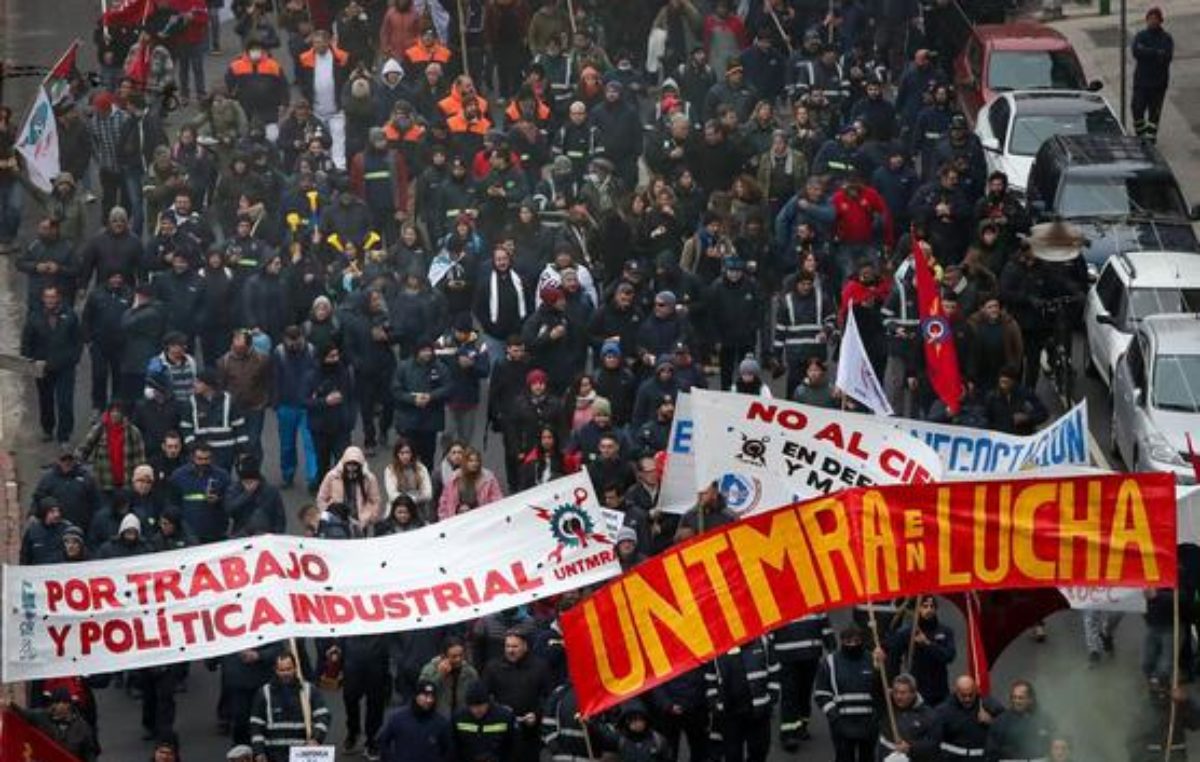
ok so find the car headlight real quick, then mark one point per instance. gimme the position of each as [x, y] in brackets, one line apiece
[1161, 451]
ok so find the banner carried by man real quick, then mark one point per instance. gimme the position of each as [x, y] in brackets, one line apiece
[720, 589]
[105, 616]
[764, 453]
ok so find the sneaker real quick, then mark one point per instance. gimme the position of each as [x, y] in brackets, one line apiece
[350, 745]
[371, 753]
[1107, 641]
[802, 732]
[89, 198]
[1093, 658]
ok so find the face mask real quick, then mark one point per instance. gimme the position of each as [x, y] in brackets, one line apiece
[852, 650]
[148, 392]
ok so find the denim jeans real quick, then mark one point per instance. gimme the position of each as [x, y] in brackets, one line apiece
[189, 62]
[131, 183]
[10, 210]
[293, 420]
[1157, 650]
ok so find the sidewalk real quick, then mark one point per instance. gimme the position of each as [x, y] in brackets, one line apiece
[1097, 40]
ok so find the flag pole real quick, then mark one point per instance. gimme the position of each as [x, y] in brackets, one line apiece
[887, 693]
[462, 38]
[1174, 710]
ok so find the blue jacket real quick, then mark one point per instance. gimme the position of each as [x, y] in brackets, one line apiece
[292, 373]
[411, 736]
[1153, 51]
[206, 520]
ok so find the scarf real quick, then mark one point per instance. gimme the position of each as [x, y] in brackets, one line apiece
[583, 401]
[494, 296]
[114, 438]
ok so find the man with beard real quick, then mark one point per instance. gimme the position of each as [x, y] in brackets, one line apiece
[520, 681]
[926, 654]
[286, 713]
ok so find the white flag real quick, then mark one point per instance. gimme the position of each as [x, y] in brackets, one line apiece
[855, 376]
[38, 142]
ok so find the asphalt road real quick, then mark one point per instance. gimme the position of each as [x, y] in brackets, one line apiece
[1092, 706]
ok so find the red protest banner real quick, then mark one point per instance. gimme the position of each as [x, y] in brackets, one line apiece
[725, 587]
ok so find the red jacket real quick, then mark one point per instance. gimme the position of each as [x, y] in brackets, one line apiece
[195, 32]
[853, 291]
[854, 218]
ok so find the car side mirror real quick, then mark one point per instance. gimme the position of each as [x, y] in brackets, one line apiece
[1095, 85]
[1105, 319]
[991, 144]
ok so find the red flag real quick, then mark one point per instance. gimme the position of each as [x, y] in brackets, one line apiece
[977, 661]
[128, 13]
[1193, 459]
[997, 618]
[941, 356]
[20, 740]
[58, 81]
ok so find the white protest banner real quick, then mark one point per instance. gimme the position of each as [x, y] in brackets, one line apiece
[38, 142]
[764, 453]
[677, 489]
[105, 616]
[312, 754]
[1130, 599]
[965, 450]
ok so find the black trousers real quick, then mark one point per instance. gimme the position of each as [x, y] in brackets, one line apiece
[1146, 107]
[693, 725]
[744, 737]
[56, 403]
[424, 445]
[375, 687]
[238, 703]
[329, 447]
[375, 399]
[853, 749]
[731, 357]
[796, 681]
[158, 698]
[106, 375]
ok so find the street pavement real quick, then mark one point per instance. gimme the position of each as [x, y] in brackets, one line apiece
[1093, 706]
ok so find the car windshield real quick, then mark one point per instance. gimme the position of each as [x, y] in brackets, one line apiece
[1034, 70]
[1030, 131]
[1163, 301]
[1177, 383]
[1084, 196]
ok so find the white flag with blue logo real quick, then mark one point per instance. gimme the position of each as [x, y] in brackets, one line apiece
[38, 142]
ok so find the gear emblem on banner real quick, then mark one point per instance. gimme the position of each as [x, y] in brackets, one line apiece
[571, 526]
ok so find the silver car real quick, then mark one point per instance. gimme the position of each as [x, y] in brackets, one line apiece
[1156, 397]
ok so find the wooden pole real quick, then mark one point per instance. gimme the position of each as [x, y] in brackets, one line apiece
[571, 16]
[779, 28]
[305, 701]
[462, 37]
[587, 736]
[1174, 708]
[887, 693]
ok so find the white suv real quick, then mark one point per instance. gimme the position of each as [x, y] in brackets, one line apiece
[1133, 286]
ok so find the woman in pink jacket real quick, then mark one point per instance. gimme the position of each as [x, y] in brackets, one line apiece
[351, 482]
[471, 487]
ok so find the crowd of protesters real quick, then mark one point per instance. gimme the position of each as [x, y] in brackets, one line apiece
[402, 256]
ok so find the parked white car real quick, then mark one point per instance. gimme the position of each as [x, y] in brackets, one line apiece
[1156, 397]
[1133, 286]
[1013, 126]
